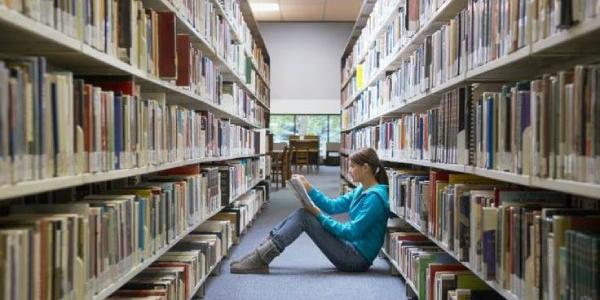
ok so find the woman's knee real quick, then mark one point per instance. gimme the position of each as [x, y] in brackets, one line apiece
[300, 213]
[303, 216]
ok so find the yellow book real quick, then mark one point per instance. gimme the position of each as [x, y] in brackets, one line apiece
[360, 72]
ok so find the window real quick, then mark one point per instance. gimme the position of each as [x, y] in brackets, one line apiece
[313, 125]
[282, 126]
[327, 127]
[334, 128]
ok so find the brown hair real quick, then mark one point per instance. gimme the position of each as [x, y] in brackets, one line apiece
[369, 156]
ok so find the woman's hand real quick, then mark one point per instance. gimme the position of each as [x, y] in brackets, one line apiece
[313, 209]
[304, 181]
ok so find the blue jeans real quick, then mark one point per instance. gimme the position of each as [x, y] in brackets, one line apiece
[341, 253]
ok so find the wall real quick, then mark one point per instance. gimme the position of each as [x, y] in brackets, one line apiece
[305, 66]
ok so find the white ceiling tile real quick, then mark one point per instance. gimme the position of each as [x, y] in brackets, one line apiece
[342, 10]
[302, 12]
[302, 2]
[311, 10]
[267, 16]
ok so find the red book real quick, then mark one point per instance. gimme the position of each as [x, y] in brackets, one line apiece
[184, 170]
[434, 268]
[413, 15]
[434, 177]
[167, 56]
[184, 47]
[88, 117]
[124, 85]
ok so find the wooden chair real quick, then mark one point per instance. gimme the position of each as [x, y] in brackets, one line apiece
[302, 160]
[287, 165]
[332, 156]
[306, 153]
[278, 166]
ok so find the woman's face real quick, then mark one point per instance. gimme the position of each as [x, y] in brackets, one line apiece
[359, 172]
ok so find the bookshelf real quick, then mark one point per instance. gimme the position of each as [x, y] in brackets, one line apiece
[560, 185]
[26, 188]
[136, 270]
[23, 34]
[83, 58]
[523, 63]
[409, 283]
[373, 116]
[492, 284]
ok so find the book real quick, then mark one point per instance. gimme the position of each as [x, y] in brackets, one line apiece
[300, 191]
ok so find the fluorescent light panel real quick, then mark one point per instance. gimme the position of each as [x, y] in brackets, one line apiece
[264, 7]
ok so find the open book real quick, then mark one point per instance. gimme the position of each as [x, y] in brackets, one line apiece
[300, 191]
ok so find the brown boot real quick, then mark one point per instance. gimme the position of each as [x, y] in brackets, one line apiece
[257, 261]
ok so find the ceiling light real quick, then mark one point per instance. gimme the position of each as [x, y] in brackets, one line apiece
[264, 7]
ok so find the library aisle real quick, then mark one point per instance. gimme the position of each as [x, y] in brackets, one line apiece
[302, 269]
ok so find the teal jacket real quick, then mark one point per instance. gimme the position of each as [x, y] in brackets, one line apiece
[368, 210]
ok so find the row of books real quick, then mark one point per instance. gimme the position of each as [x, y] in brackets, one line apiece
[431, 55]
[428, 269]
[147, 39]
[70, 126]
[546, 128]
[102, 231]
[236, 100]
[176, 274]
[381, 10]
[234, 13]
[531, 243]
[480, 33]
[436, 60]
[237, 176]
[180, 273]
[242, 212]
[404, 19]
[236, 54]
[90, 243]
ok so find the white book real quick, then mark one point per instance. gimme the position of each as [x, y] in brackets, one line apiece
[300, 191]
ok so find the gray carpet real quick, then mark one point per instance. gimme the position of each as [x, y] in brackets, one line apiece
[302, 271]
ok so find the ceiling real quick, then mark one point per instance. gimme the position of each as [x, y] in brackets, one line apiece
[310, 11]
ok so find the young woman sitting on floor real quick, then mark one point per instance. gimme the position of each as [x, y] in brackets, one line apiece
[351, 246]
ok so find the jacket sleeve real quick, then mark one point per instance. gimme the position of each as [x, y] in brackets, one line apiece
[372, 210]
[338, 205]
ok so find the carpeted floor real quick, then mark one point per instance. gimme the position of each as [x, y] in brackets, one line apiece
[302, 271]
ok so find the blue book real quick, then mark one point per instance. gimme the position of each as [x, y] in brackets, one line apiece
[118, 129]
[490, 132]
[141, 224]
[55, 131]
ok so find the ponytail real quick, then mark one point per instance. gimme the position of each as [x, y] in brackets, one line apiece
[381, 174]
[369, 156]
